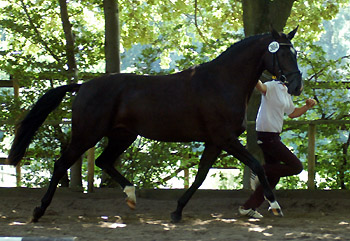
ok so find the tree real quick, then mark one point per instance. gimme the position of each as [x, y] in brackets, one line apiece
[72, 72]
[112, 36]
[258, 17]
[112, 52]
[37, 57]
[171, 35]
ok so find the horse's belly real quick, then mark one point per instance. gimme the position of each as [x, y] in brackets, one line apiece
[171, 134]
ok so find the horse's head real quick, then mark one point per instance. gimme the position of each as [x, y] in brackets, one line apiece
[281, 60]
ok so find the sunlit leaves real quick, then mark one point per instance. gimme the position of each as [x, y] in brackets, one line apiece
[167, 36]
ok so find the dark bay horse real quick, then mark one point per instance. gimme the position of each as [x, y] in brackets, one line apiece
[206, 103]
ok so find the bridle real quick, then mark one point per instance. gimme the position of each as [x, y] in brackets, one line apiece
[273, 48]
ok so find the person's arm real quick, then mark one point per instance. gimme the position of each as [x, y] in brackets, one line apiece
[261, 87]
[301, 110]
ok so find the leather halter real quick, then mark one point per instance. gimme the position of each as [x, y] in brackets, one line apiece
[282, 76]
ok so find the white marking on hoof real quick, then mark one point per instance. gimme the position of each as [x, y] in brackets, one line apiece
[275, 208]
[131, 197]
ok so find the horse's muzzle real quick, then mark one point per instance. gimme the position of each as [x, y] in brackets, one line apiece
[295, 86]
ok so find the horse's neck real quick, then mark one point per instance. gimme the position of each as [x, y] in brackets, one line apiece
[249, 60]
[245, 65]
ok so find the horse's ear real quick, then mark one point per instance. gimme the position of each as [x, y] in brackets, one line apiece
[274, 33]
[292, 33]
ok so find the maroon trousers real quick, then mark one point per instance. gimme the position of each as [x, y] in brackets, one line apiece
[279, 162]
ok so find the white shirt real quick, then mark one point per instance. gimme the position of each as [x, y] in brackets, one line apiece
[274, 104]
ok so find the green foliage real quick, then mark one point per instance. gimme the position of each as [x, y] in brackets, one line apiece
[148, 163]
[324, 74]
[172, 36]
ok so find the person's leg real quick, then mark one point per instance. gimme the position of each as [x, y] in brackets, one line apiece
[274, 152]
[279, 160]
[257, 198]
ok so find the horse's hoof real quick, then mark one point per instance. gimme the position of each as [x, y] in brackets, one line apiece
[131, 204]
[275, 209]
[276, 212]
[131, 197]
[175, 218]
[37, 213]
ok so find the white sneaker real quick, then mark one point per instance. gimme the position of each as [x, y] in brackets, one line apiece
[249, 212]
[254, 181]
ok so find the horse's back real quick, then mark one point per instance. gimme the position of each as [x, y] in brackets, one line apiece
[178, 107]
[135, 102]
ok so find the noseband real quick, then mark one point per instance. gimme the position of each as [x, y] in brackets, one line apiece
[273, 48]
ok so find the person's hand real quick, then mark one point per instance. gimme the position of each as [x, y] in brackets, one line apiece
[310, 103]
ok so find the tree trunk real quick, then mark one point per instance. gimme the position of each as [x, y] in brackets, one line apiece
[112, 38]
[61, 136]
[75, 173]
[70, 50]
[258, 15]
[343, 165]
[112, 55]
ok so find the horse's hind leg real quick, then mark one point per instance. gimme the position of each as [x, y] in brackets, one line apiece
[68, 158]
[117, 144]
[209, 156]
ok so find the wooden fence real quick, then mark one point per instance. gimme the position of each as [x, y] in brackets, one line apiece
[14, 83]
[312, 124]
[91, 152]
[312, 143]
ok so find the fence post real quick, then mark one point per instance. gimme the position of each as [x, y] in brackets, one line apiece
[91, 168]
[75, 175]
[311, 156]
[16, 96]
[187, 178]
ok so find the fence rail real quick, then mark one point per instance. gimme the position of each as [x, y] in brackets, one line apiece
[311, 142]
[90, 153]
[311, 146]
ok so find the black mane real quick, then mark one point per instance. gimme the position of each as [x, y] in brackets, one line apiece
[241, 45]
[235, 49]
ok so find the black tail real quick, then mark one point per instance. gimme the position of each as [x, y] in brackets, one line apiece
[35, 118]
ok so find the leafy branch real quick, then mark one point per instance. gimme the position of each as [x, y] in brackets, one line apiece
[320, 71]
[176, 172]
[38, 34]
[196, 23]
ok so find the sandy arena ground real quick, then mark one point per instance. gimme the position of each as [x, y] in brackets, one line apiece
[210, 215]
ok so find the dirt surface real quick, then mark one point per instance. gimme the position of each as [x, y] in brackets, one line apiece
[210, 215]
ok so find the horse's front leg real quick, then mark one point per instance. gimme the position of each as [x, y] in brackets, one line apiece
[235, 148]
[209, 156]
